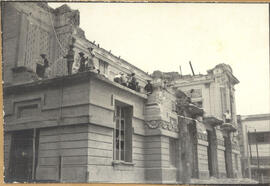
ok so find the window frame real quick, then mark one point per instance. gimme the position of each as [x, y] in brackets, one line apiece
[122, 113]
[119, 133]
[104, 65]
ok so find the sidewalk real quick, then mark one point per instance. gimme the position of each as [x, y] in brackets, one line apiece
[214, 180]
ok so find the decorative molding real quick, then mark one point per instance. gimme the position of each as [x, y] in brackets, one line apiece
[154, 124]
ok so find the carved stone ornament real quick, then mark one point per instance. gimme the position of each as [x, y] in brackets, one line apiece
[154, 124]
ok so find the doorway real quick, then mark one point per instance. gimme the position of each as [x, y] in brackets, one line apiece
[193, 147]
[209, 152]
[23, 156]
[226, 155]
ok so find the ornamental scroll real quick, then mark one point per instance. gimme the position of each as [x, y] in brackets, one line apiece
[154, 124]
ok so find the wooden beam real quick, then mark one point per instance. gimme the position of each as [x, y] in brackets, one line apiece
[34, 155]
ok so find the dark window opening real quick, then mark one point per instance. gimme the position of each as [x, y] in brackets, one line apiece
[209, 153]
[23, 156]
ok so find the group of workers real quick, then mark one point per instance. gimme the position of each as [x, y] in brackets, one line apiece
[86, 64]
[131, 82]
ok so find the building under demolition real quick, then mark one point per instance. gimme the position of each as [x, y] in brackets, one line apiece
[254, 132]
[71, 115]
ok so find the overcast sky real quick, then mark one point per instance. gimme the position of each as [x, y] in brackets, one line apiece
[164, 36]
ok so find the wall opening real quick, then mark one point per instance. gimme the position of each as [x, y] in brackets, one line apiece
[209, 152]
[23, 156]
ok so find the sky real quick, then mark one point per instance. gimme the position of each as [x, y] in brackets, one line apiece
[163, 36]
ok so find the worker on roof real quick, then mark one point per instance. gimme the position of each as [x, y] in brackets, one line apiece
[41, 67]
[148, 87]
[117, 78]
[70, 59]
[82, 62]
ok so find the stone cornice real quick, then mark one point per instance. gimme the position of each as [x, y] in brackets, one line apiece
[212, 120]
[192, 82]
[228, 127]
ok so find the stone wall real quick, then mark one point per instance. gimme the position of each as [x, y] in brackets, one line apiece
[63, 154]
[221, 162]
[236, 164]
[221, 155]
[48, 102]
[100, 158]
[11, 21]
[203, 160]
[7, 148]
[158, 165]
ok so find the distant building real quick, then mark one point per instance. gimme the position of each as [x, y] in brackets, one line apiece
[88, 126]
[214, 92]
[255, 146]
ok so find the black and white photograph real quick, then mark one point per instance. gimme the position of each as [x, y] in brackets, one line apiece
[135, 92]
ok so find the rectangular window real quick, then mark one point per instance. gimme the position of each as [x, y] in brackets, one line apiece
[172, 151]
[103, 67]
[123, 133]
[223, 100]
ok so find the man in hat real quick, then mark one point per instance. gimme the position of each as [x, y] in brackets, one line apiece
[90, 65]
[117, 78]
[82, 62]
[123, 79]
[148, 87]
[70, 59]
[138, 88]
[40, 69]
[132, 83]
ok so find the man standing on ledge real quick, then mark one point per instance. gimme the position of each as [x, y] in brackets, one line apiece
[227, 116]
[82, 62]
[70, 59]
